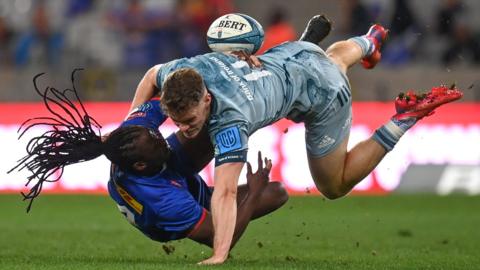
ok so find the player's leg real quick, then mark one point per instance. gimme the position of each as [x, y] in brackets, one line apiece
[272, 198]
[345, 54]
[334, 170]
[337, 172]
[366, 48]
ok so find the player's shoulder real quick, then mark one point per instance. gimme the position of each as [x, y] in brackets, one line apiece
[197, 62]
[294, 47]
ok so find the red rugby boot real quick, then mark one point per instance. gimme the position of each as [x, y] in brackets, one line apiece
[414, 106]
[377, 34]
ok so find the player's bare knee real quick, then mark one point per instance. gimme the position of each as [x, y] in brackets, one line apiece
[333, 194]
[280, 192]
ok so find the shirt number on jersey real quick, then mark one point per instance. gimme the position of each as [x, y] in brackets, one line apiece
[257, 74]
[128, 214]
[254, 75]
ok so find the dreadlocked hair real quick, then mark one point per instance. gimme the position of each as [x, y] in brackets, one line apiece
[122, 147]
[72, 138]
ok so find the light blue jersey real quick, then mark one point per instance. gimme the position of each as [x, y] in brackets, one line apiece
[297, 81]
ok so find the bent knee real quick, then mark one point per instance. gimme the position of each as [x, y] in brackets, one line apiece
[279, 192]
[333, 193]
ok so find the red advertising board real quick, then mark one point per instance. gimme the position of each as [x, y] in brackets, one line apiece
[451, 136]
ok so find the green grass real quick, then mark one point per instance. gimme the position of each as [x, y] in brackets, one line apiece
[393, 232]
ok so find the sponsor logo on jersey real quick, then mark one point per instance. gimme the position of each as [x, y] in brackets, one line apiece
[228, 140]
[144, 107]
[134, 115]
[138, 207]
[239, 156]
[243, 86]
[348, 122]
[175, 183]
[140, 111]
[326, 141]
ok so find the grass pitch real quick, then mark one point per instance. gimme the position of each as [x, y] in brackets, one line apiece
[392, 232]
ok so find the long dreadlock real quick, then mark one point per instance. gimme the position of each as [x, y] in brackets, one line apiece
[72, 138]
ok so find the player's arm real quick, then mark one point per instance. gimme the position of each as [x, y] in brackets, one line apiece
[148, 114]
[147, 88]
[251, 60]
[224, 209]
[231, 146]
[256, 182]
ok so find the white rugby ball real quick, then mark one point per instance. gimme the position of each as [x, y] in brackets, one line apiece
[235, 32]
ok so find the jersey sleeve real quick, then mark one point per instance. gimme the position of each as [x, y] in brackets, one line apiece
[161, 74]
[167, 68]
[149, 115]
[230, 144]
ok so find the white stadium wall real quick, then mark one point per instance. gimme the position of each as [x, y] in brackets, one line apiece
[441, 154]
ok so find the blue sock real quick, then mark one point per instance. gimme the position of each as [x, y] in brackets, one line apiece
[389, 134]
[366, 44]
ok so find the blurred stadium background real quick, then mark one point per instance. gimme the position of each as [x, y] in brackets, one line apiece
[432, 42]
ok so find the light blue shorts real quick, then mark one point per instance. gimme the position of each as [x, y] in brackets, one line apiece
[328, 121]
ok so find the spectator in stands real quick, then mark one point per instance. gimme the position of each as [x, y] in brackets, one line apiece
[219, 8]
[462, 45]
[403, 18]
[193, 17]
[405, 34]
[190, 22]
[41, 35]
[78, 7]
[357, 19]
[140, 28]
[279, 30]
[6, 35]
[448, 15]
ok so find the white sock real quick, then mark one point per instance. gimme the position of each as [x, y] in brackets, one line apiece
[368, 47]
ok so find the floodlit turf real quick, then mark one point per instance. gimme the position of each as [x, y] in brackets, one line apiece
[393, 232]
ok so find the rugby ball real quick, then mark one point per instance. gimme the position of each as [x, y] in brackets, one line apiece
[235, 32]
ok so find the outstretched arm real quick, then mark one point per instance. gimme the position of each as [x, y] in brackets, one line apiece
[224, 209]
[257, 198]
[147, 88]
[257, 182]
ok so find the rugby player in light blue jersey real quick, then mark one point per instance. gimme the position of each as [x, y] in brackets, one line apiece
[169, 200]
[154, 181]
[298, 81]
